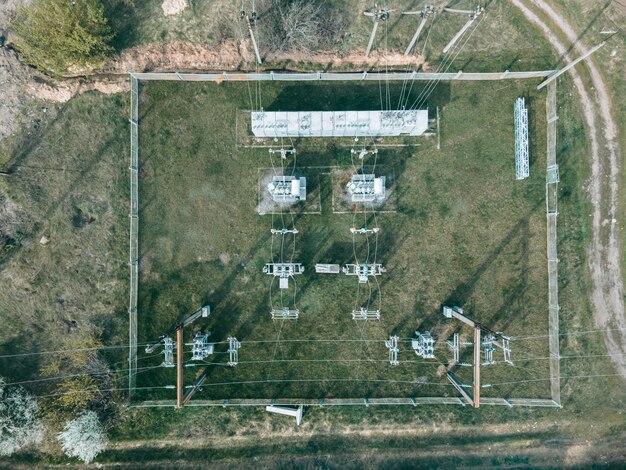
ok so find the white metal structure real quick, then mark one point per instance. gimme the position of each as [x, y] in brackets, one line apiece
[233, 351]
[363, 152]
[285, 314]
[283, 231]
[424, 345]
[201, 348]
[327, 268]
[363, 271]
[454, 346]
[284, 271]
[366, 188]
[488, 350]
[287, 189]
[168, 352]
[392, 345]
[521, 140]
[364, 230]
[365, 314]
[288, 411]
[339, 123]
[283, 152]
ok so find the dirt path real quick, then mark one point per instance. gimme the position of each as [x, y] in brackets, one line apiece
[603, 254]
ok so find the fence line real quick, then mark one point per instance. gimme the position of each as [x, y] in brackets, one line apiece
[552, 182]
[134, 230]
[416, 401]
[552, 179]
[334, 76]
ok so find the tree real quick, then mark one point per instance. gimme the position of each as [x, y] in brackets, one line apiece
[19, 425]
[83, 437]
[55, 35]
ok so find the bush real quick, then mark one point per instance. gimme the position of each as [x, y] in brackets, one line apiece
[56, 35]
[83, 437]
[19, 425]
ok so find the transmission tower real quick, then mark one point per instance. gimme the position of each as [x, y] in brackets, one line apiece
[392, 345]
[379, 15]
[423, 14]
[233, 351]
[363, 230]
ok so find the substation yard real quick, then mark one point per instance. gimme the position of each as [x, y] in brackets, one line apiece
[455, 229]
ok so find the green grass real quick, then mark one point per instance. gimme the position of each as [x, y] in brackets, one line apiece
[464, 233]
[68, 182]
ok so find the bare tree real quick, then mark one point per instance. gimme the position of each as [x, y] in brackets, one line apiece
[83, 437]
[299, 25]
[19, 425]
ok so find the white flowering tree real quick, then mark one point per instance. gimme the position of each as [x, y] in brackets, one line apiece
[83, 437]
[19, 425]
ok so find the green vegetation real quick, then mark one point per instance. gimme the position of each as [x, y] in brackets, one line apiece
[58, 35]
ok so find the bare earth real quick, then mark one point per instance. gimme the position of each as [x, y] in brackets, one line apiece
[604, 253]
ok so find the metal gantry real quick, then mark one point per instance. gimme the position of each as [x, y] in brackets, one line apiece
[392, 345]
[285, 314]
[363, 271]
[522, 169]
[365, 314]
[283, 271]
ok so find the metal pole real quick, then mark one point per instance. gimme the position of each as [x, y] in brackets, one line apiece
[476, 385]
[569, 66]
[179, 368]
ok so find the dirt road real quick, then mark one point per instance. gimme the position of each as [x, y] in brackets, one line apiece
[603, 254]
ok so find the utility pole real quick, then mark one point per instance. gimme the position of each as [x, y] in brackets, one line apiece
[379, 15]
[424, 14]
[555, 75]
[473, 14]
[251, 23]
[490, 340]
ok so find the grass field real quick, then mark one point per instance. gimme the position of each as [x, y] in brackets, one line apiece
[464, 233]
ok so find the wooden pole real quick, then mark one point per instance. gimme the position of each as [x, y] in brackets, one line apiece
[179, 368]
[476, 367]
